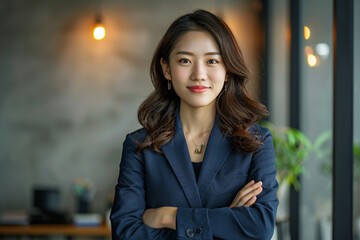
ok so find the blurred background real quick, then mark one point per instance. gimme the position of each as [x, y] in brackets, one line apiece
[67, 100]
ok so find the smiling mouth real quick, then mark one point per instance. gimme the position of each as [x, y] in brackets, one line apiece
[198, 89]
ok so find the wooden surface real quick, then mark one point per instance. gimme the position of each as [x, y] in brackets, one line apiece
[53, 229]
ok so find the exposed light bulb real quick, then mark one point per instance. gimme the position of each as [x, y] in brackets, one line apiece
[99, 32]
[99, 29]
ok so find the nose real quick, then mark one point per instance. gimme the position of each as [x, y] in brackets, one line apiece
[198, 72]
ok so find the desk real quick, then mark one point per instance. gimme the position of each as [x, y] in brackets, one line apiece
[55, 229]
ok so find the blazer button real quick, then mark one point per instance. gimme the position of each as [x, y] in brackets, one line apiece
[190, 232]
[198, 231]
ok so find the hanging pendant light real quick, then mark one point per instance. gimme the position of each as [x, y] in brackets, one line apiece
[99, 29]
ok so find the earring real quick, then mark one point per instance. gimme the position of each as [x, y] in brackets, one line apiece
[169, 84]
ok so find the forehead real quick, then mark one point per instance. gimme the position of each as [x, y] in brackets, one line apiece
[196, 42]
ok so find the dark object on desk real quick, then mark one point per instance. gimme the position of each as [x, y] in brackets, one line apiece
[46, 201]
[83, 205]
[14, 218]
[48, 218]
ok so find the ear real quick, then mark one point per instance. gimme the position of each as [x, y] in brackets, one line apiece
[226, 77]
[165, 68]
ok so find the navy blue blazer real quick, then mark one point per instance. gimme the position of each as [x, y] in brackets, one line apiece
[152, 180]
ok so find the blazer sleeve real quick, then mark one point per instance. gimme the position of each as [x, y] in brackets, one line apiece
[255, 222]
[129, 203]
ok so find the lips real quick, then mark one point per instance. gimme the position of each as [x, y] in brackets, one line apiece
[198, 89]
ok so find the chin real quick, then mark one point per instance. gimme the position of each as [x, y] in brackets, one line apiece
[200, 105]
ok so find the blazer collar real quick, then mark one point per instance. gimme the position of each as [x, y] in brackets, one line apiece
[177, 153]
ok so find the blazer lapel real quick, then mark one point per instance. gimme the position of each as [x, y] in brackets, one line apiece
[217, 151]
[177, 153]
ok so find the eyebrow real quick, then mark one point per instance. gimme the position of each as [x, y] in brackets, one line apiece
[192, 54]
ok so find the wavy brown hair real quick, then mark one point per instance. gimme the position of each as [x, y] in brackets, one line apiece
[236, 111]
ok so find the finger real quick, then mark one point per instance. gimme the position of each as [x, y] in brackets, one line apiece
[250, 202]
[241, 201]
[238, 195]
[247, 197]
[247, 189]
[250, 183]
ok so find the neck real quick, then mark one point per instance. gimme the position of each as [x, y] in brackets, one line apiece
[197, 120]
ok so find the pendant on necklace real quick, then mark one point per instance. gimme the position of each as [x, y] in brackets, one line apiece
[197, 149]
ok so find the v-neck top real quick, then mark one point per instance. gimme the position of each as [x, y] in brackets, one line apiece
[197, 167]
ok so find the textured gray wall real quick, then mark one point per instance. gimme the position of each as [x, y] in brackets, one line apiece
[66, 100]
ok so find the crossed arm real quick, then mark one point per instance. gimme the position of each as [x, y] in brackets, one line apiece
[165, 217]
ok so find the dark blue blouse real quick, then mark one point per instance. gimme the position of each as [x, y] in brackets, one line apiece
[197, 167]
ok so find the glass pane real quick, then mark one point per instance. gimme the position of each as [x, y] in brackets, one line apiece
[279, 54]
[356, 195]
[316, 118]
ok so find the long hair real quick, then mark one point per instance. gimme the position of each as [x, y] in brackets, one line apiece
[234, 108]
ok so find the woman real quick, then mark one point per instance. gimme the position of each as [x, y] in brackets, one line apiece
[200, 167]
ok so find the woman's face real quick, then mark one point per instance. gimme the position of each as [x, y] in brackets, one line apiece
[196, 69]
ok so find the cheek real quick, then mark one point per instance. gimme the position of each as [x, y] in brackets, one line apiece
[179, 74]
[218, 78]
[179, 78]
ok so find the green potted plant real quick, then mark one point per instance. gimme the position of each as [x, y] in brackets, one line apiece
[291, 149]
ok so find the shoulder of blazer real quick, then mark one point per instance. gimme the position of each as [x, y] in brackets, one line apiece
[137, 135]
[261, 132]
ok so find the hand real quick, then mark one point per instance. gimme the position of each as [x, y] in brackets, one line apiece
[247, 195]
[162, 217]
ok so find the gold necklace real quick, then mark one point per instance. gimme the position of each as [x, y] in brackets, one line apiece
[197, 150]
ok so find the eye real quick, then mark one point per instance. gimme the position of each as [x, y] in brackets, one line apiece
[212, 61]
[184, 60]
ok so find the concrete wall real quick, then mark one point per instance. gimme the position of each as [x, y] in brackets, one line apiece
[67, 100]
